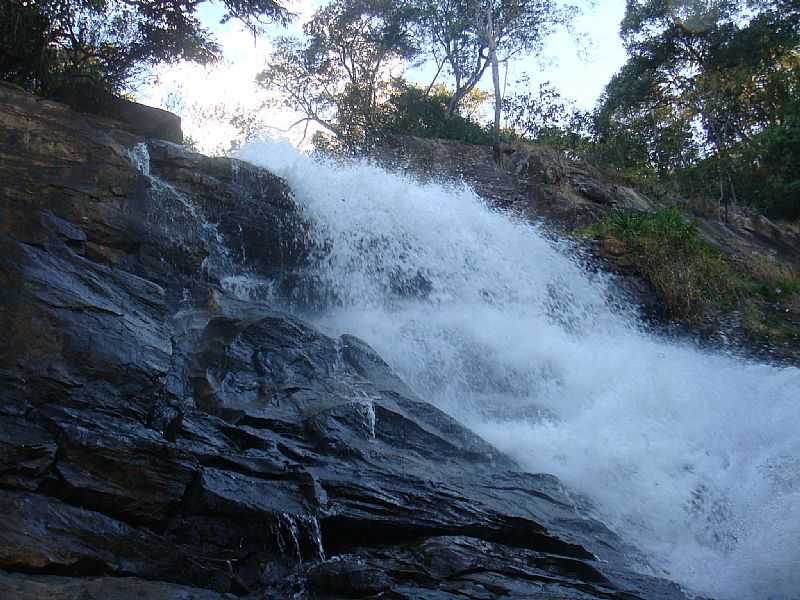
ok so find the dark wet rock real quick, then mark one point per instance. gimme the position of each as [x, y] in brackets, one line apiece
[26, 453]
[40, 534]
[114, 464]
[221, 492]
[440, 568]
[85, 95]
[370, 365]
[35, 587]
[272, 236]
[349, 577]
[165, 435]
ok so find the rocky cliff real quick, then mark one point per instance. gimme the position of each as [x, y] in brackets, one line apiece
[160, 438]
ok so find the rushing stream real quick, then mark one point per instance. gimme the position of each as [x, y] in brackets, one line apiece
[693, 456]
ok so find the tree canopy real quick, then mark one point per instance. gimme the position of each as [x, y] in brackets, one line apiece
[339, 75]
[47, 44]
[705, 80]
[458, 34]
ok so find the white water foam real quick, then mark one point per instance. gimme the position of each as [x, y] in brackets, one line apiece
[693, 456]
[139, 156]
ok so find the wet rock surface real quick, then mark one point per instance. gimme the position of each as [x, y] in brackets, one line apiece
[161, 438]
[537, 182]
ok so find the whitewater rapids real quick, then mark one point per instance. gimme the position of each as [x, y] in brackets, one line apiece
[693, 456]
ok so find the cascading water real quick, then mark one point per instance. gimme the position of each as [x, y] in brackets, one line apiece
[693, 456]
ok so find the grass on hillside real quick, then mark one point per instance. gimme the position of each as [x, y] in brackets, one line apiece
[687, 272]
[696, 280]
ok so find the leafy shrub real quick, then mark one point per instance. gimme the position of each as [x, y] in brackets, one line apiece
[413, 112]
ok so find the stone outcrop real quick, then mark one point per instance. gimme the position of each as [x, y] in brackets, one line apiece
[88, 97]
[161, 438]
[534, 181]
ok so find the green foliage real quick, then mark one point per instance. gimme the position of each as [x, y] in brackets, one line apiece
[412, 112]
[764, 170]
[340, 77]
[703, 105]
[694, 279]
[688, 273]
[49, 45]
[769, 175]
[24, 54]
[544, 116]
[532, 113]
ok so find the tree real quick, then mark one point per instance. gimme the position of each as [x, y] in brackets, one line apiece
[773, 180]
[544, 115]
[639, 129]
[533, 113]
[469, 36]
[216, 128]
[703, 77]
[340, 76]
[49, 44]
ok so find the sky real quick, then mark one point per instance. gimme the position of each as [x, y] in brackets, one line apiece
[578, 67]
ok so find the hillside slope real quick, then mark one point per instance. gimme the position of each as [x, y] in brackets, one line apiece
[754, 261]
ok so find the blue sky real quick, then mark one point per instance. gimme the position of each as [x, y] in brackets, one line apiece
[578, 66]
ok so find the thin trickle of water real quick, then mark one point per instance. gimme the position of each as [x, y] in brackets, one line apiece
[286, 527]
[693, 456]
[139, 156]
[366, 408]
[250, 287]
[294, 533]
[179, 219]
[316, 537]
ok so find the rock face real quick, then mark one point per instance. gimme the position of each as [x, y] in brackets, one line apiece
[534, 181]
[86, 96]
[160, 438]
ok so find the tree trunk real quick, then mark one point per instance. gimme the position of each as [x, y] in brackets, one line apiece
[435, 77]
[723, 202]
[498, 96]
[453, 105]
[728, 192]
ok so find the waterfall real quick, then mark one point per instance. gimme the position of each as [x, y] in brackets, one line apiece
[694, 456]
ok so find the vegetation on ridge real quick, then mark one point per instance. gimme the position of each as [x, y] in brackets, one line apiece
[707, 105]
[688, 273]
[695, 280]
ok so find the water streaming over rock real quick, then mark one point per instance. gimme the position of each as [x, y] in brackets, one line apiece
[694, 456]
